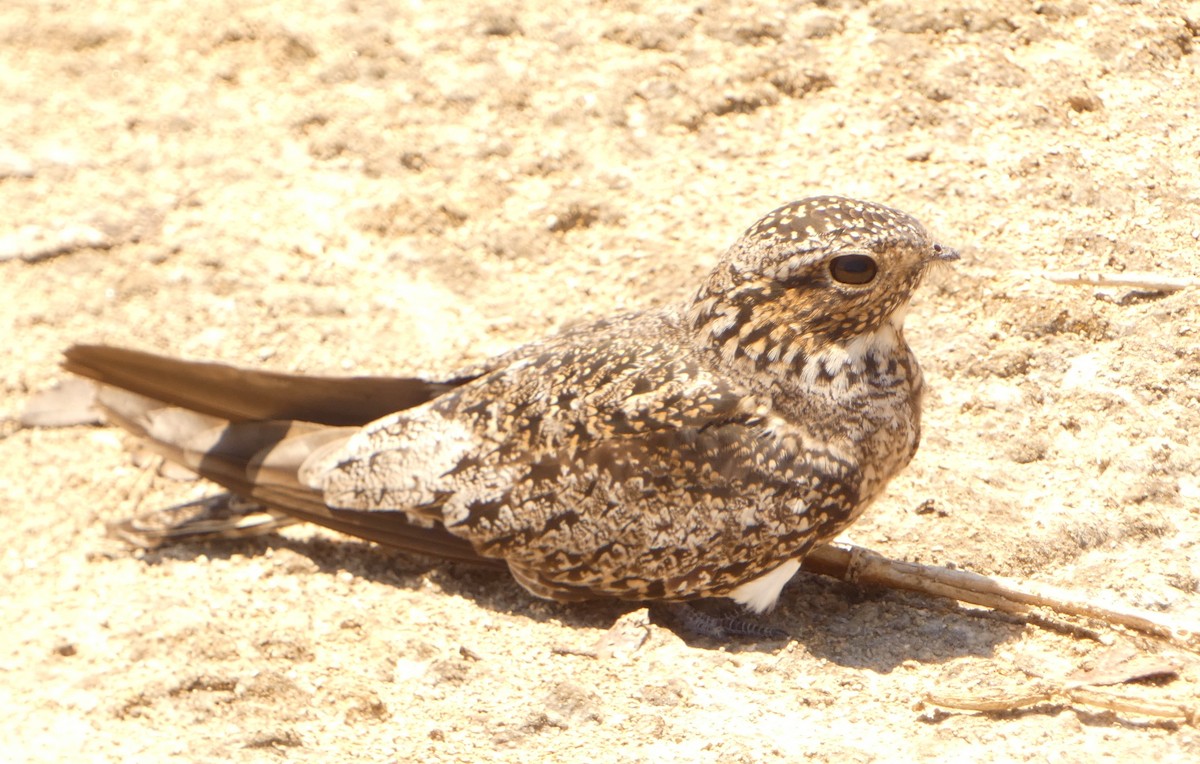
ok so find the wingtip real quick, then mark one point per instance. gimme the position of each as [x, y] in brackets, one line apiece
[83, 359]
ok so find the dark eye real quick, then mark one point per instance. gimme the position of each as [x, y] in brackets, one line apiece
[853, 269]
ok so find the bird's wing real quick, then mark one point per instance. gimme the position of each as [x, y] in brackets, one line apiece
[602, 463]
[242, 395]
[553, 400]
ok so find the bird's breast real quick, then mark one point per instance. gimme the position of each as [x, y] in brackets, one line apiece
[864, 396]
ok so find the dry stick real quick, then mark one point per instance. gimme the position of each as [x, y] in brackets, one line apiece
[858, 565]
[1073, 695]
[1121, 703]
[1150, 282]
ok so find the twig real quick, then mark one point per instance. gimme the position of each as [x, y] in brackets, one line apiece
[858, 565]
[1069, 695]
[1150, 282]
[1126, 704]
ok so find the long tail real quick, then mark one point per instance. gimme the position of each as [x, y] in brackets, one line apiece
[250, 431]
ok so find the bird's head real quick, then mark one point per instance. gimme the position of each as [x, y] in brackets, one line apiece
[814, 273]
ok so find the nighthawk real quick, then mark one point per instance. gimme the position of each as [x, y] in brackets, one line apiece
[696, 450]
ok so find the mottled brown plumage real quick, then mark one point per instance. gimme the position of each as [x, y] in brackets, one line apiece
[693, 451]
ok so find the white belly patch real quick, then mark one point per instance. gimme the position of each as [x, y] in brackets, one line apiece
[761, 593]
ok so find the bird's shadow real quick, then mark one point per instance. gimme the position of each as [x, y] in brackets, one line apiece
[845, 624]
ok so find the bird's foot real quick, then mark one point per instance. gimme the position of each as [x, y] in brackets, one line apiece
[721, 628]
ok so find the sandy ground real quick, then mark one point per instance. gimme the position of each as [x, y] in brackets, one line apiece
[369, 186]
